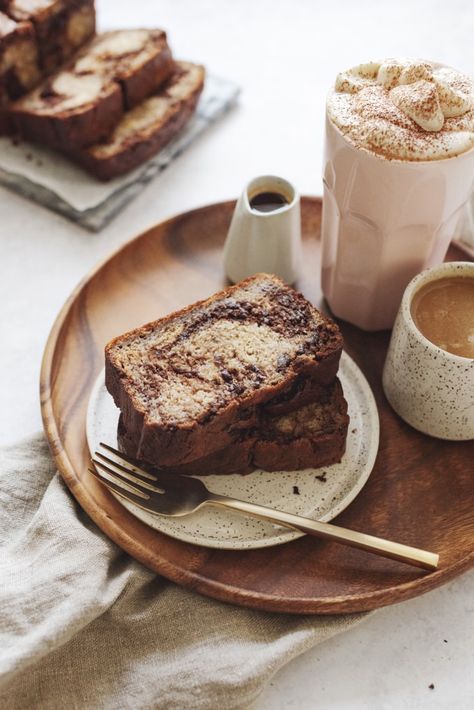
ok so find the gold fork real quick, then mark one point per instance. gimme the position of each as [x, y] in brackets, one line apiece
[173, 495]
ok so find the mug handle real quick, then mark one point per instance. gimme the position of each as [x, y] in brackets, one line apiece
[465, 229]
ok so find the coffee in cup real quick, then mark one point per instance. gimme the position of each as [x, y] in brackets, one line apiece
[443, 311]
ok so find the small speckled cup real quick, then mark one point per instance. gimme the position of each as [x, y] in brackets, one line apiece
[431, 389]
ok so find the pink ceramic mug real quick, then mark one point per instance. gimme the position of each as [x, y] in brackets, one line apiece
[384, 221]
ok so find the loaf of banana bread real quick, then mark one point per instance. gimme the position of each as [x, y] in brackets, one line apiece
[309, 437]
[80, 104]
[186, 384]
[144, 130]
[60, 26]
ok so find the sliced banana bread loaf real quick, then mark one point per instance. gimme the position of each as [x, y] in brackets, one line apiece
[80, 104]
[309, 437]
[145, 129]
[187, 382]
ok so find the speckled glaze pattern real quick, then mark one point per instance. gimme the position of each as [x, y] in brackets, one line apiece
[431, 389]
[320, 494]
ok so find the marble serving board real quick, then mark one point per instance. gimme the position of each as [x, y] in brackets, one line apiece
[48, 178]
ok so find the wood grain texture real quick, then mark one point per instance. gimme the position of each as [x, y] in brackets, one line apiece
[421, 491]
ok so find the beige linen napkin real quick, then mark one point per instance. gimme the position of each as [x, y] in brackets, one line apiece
[82, 625]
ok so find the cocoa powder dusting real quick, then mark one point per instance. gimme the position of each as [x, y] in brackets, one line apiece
[405, 110]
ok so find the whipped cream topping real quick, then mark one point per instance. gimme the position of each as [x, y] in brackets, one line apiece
[405, 109]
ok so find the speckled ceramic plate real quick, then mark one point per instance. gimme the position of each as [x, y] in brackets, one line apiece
[320, 494]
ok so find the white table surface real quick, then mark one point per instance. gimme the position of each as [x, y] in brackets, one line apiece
[284, 55]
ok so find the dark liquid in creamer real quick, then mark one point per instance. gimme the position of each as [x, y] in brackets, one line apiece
[268, 201]
[443, 310]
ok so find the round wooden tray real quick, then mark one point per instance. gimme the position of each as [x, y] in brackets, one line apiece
[421, 491]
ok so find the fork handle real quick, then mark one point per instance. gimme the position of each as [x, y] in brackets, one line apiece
[370, 543]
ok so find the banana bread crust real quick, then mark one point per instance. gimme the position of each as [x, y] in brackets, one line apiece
[187, 383]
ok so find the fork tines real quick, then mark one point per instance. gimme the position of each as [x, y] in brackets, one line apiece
[123, 458]
[123, 476]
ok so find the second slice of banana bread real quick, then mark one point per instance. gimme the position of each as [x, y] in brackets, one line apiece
[311, 436]
[147, 128]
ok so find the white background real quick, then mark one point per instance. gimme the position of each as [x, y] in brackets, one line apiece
[284, 54]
